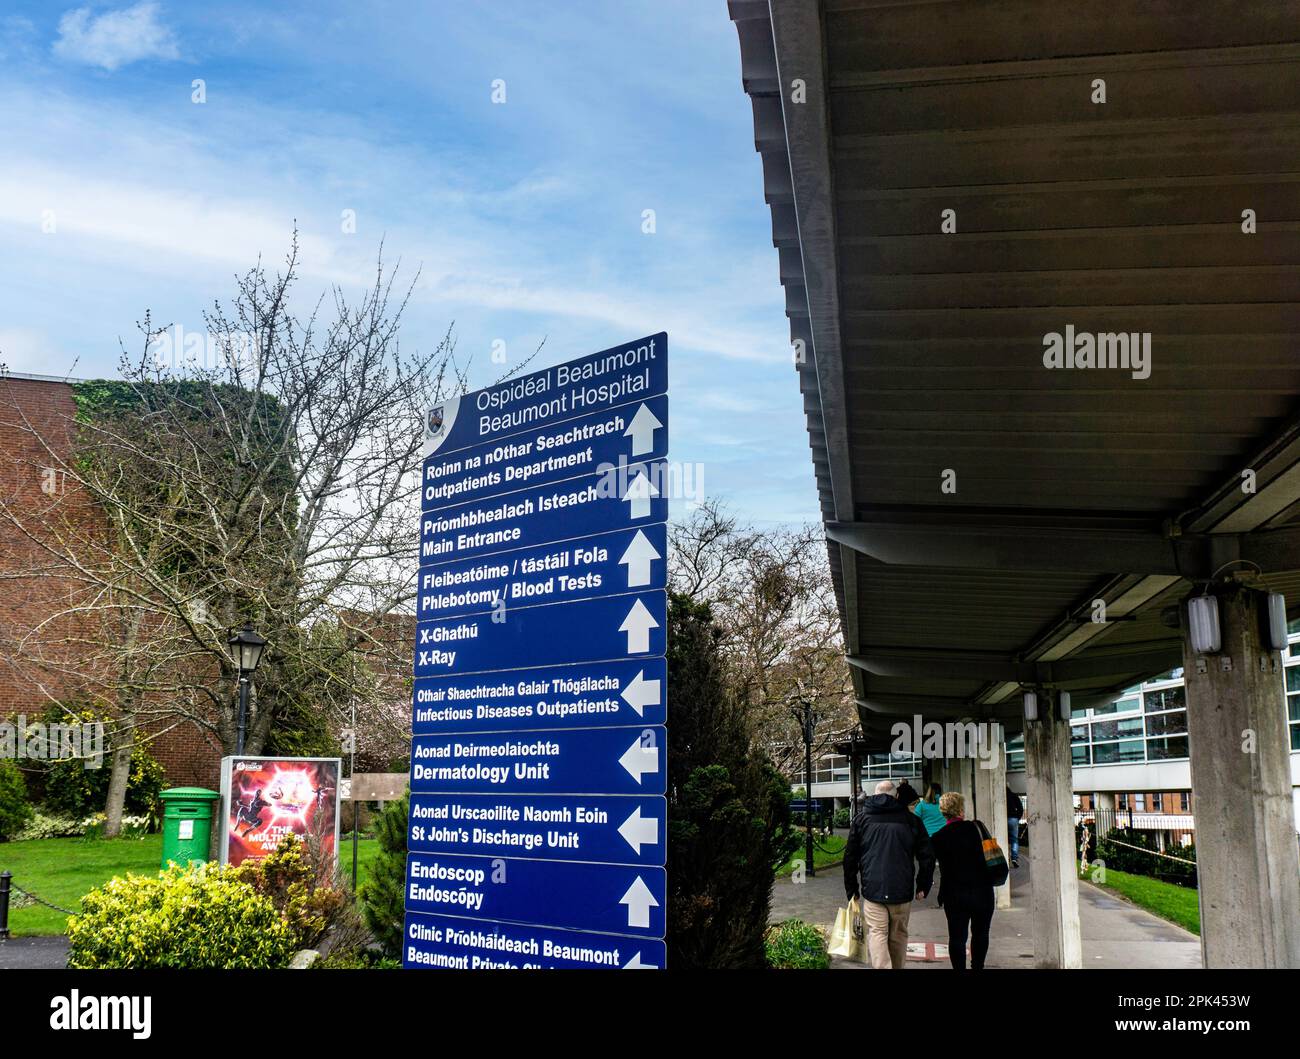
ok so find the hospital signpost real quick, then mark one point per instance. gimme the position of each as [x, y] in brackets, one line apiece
[537, 829]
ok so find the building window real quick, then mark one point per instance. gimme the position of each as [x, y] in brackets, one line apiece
[1174, 723]
[1123, 752]
[1293, 702]
[1167, 749]
[1184, 803]
[1165, 699]
[1126, 704]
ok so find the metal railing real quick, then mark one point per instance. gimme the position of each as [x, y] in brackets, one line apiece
[1104, 820]
[7, 888]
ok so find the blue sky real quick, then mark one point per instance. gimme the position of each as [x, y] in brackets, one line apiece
[525, 218]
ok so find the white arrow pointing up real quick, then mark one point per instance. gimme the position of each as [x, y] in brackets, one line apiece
[635, 964]
[638, 557]
[638, 830]
[639, 901]
[641, 693]
[640, 491]
[637, 625]
[638, 760]
[642, 431]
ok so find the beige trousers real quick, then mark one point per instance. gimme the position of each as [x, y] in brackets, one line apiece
[887, 933]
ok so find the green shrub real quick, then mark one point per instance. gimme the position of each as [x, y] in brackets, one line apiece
[1136, 853]
[46, 825]
[299, 889]
[383, 894]
[842, 817]
[356, 960]
[197, 917]
[798, 946]
[15, 810]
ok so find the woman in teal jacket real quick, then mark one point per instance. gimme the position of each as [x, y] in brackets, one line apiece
[928, 809]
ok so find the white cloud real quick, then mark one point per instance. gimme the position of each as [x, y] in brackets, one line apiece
[115, 38]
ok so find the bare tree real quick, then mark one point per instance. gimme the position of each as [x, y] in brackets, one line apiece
[274, 478]
[772, 595]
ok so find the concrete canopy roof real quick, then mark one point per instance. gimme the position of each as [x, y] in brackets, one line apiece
[921, 352]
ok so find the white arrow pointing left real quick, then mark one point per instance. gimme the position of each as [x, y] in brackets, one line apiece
[638, 760]
[638, 557]
[638, 830]
[639, 901]
[641, 693]
[642, 431]
[637, 625]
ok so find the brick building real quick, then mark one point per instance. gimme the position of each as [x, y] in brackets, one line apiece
[48, 649]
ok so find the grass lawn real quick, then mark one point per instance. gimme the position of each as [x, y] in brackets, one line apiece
[61, 870]
[832, 853]
[367, 851]
[1178, 904]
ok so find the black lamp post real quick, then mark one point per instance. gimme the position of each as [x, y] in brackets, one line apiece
[807, 718]
[246, 649]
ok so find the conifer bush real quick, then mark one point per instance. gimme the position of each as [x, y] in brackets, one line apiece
[383, 893]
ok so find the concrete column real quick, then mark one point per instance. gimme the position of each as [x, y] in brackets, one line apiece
[1247, 864]
[1053, 857]
[957, 776]
[990, 807]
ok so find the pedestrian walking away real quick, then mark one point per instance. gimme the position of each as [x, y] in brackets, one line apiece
[965, 886]
[928, 809]
[888, 861]
[1015, 812]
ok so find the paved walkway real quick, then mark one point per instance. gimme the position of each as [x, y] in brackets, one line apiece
[27, 954]
[1115, 932]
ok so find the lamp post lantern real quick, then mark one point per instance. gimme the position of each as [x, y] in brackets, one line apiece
[246, 649]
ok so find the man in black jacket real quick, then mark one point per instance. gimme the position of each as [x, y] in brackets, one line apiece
[885, 840]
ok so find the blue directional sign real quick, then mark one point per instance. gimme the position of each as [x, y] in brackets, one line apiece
[615, 376]
[477, 944]
[631, 433]
[537, 824]
[624, 561]
[628, 692]
[589, 827]
[565, 761]
[615, 898]
[595, 629]
[629, 495]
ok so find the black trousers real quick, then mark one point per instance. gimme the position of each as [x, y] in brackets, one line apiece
[963, 915]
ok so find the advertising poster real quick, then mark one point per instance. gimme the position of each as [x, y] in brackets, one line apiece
[266, 798]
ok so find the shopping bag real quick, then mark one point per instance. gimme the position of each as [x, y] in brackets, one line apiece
[994, 859]
[848, 936]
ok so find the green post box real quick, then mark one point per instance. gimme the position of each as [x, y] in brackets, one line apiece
[187, 824]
